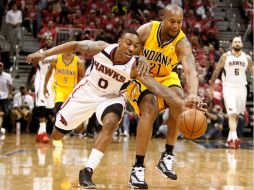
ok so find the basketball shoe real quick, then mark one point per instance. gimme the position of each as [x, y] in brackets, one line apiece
[137, 178]
[165, 165]
[85, 178]
[234, 144]
[42, 138]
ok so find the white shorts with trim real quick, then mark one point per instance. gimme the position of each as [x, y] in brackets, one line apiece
[235, 99]
[81, 104]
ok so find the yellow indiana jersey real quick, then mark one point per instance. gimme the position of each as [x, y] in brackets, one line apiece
[162, 57]
[66, 75]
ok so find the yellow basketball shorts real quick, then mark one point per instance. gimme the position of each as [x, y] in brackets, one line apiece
[61, 93]
[136, 90]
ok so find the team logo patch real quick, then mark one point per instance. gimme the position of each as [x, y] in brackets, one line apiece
[63, 121]
[134, 91]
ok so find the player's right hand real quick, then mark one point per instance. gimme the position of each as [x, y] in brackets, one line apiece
[46, 93]
[35, 57]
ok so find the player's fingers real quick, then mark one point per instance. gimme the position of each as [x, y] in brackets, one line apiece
[139, 65]
[202, 109]
[141, 70]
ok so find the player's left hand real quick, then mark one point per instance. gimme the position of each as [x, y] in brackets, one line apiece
[143, 66]
[35, 57]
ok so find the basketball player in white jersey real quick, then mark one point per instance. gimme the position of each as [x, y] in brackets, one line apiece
[234, 64]
[44, 105]
[98, 92]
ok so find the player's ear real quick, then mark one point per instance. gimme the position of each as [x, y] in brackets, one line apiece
[119, 40]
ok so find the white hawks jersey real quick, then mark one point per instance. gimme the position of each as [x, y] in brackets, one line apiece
[234, 74]
[106, 76]
[42, 70]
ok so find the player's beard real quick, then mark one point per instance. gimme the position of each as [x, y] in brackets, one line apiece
[237, 48]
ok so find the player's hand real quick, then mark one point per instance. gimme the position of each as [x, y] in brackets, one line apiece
[46, 93]
[194, 101]
[35, 57]
[143, 66]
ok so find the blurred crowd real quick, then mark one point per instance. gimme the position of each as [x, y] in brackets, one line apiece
[105, 20]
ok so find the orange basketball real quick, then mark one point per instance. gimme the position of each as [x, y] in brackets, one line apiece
[192, 123]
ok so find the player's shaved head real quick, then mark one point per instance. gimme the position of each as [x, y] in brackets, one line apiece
[129, 31]
[172, 18]
[238, 38]
[173, 9]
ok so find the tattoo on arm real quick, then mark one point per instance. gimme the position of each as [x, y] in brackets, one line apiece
[91, 47]
[168, 95]
[218, 68]
[184, 53]
[250, 66]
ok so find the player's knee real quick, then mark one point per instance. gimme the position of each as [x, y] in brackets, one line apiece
[149, 106]
[232, 116]
[110, 121]
[58, 133]
[150, 114]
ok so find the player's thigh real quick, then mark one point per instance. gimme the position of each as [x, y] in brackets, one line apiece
[242, 98]
[62, 93]
[76, 109]
[230, 99]
[112, 105]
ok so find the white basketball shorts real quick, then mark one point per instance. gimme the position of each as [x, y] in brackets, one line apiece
[40, 99]
[235, 99]
[81, 104]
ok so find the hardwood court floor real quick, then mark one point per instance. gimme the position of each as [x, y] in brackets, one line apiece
[26, 165]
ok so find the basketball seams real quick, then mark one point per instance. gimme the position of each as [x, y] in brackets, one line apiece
[193, 126]
[185, 123]
[202, 126]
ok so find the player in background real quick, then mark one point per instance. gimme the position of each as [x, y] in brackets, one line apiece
[44, 106]
[164, 45]
[68, 71]
[233, 65]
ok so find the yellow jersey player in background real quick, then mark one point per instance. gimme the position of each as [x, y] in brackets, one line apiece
[164, 45]
[68, 70]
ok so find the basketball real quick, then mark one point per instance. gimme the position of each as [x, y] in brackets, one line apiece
[192, 123]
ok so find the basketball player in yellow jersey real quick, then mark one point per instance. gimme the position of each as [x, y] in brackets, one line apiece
[68, 70]
[164, 45]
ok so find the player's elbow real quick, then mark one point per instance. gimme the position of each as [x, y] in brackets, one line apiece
[74, 46]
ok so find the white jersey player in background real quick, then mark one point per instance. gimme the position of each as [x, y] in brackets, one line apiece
[43, 104]
[234, 64]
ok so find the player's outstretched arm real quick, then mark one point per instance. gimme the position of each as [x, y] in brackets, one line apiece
[216, 73]
[184, 53]
[167, 94]
[87, 46]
